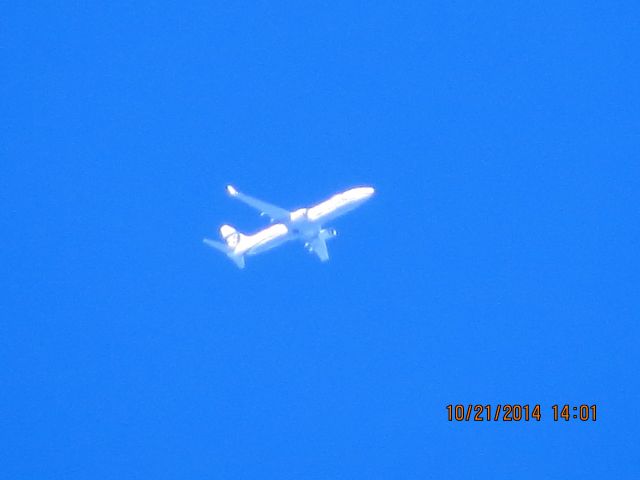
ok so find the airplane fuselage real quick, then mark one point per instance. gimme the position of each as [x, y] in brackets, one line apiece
[307, 222]
[263, 240]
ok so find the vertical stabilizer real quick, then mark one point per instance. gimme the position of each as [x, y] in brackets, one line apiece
[230, 235]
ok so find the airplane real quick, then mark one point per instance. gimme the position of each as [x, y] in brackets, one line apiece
[305, 224]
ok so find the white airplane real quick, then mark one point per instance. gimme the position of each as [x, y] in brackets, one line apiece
[306, 224]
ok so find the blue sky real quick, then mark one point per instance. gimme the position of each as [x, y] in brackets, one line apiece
[497, 262]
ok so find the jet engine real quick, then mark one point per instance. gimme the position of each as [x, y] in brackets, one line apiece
[327, 233]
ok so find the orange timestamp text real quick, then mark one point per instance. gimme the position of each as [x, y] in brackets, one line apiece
[513, 412]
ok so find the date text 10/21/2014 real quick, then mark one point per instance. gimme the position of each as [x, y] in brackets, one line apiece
[518, 412]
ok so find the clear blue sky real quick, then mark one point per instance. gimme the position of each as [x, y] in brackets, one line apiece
[497, 263]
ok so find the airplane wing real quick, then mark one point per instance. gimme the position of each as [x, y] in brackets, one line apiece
[273, 212]
[319, 247]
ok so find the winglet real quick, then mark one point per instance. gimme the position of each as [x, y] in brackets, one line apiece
[232, 191]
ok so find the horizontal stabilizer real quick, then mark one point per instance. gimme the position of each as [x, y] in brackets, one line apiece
[217, 245]
[237, 259]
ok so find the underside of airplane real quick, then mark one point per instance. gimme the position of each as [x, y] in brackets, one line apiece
[304, 224]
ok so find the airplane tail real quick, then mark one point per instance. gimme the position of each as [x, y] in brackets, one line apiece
[231, 237]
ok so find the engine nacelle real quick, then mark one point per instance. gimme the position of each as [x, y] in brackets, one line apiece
[327, 233]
